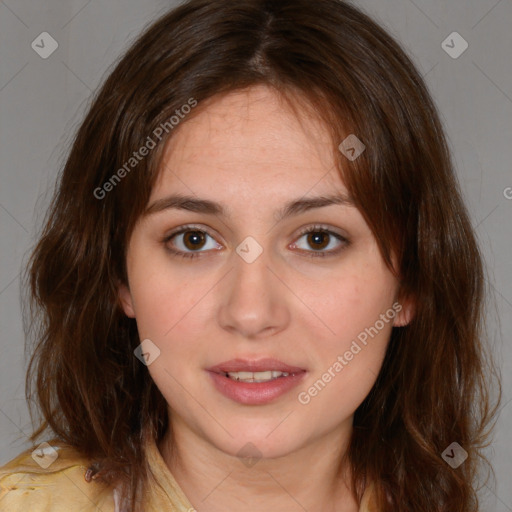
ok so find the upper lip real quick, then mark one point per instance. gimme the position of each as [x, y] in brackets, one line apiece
[251, 365]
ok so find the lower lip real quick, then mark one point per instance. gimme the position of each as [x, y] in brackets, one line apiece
[255, 393]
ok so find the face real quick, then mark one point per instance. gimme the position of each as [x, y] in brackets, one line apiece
[220, 290]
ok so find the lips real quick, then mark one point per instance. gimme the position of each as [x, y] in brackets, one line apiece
[255, 391]
[260, 365]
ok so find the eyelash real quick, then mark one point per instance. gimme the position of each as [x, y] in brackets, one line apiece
[311, 229]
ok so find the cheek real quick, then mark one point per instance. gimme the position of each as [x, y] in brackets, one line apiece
[166, 299]
[349, 355]
[166, 314]
[347, 363]
[346, 306]
[169, 313]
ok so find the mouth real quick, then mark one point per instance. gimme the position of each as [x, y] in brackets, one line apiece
[255, 382]
[261, 370]
[265, 376]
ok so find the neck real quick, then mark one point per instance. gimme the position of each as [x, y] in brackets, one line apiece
[310, 478]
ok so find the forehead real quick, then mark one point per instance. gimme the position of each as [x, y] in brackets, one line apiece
[250, 142]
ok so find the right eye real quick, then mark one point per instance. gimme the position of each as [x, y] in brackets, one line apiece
[189, 239]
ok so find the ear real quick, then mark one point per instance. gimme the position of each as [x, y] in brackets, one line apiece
[125, 298]
[405, 309]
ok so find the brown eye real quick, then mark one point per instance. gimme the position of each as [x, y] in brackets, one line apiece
[194, 239]
[190, 242]
[318, 240]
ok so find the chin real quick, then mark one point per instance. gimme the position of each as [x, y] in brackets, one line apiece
[254, 443]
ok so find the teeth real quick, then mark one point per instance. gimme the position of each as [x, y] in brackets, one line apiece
[256, 376]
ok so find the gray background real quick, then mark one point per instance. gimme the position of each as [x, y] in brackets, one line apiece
[42, 101]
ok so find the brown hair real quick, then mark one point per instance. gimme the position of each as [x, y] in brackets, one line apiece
[432, 389]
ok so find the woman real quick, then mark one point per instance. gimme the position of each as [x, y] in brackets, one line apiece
[258, 287]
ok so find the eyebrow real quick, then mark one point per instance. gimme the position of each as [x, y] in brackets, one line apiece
[206, 206]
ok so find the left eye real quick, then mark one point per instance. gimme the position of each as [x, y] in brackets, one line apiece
[193, 240]
[320, 238]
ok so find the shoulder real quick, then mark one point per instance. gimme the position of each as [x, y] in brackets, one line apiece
[369, 499]
[51, 478]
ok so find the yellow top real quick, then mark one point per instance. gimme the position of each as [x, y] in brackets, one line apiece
[51, 479]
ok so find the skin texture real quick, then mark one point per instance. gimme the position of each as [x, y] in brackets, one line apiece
[247, 151]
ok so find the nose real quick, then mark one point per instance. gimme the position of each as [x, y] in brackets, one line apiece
[255, 302]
